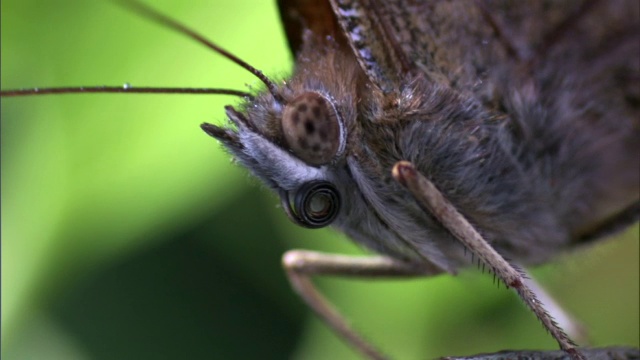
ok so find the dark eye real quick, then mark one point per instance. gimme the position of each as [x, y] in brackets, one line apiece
[313, 129]
[316, 204]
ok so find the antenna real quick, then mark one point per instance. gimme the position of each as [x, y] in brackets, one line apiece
[121, 89]
[153, 15]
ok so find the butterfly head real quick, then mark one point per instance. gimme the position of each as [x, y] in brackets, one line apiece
[294, 146]
[310, 142]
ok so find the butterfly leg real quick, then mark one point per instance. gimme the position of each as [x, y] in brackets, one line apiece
[565, 320]
[434, 201]
[301, 265]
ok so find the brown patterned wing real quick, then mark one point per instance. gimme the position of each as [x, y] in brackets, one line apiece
[314, 15]
[450, 42]
[361, 26]
[478, 47]
[473, 46]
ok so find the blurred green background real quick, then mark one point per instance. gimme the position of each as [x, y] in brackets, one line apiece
[127, 233]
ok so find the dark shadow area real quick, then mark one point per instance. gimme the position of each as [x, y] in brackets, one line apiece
[185, 300]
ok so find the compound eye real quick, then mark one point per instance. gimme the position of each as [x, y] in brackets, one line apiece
[312, 129]
[316, 204]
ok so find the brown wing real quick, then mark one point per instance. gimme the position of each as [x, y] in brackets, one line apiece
[360, 25]
[453, 43]
[458, 43]
[314, 15]
[391, 39]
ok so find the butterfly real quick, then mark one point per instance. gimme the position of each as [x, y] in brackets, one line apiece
[428, 131]
[379, 81]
